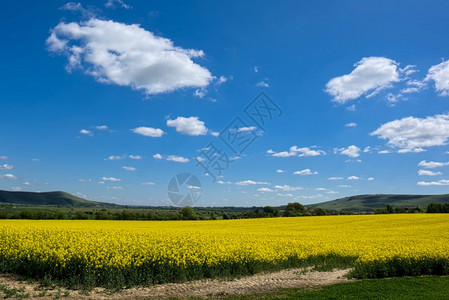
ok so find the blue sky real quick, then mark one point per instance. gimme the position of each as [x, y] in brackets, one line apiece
[109, 100]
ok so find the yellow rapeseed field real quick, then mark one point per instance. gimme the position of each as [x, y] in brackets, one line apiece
[56, 247]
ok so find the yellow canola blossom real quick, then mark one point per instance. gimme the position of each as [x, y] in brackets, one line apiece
[122, 244]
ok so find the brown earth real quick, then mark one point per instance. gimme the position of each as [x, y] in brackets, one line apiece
[259, 283]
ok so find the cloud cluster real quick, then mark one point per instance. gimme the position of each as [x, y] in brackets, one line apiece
[188, 126]
[414, 134]
[305, 172]
[370, 75]
[127, 55]
[352, 151]
[148, 131]
[173, 158]
[295, 151]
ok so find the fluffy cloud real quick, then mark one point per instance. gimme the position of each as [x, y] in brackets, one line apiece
[264, 189]
[157, 156]
[428, 183]
[413, 134]
[110, 179]
[305, 172]
[371, 74]
[351, 125]
[116, 157]
[295, 151]
[280, 171]
[127, 55]
[440, 75]
[223, 182]
[287, 188]
[113, 3]
[148, 131]
[8, 176]
[86, 132]
[188, 126]
[135, 157]
[353, 178]
[101, 127]
[6, 167]
[428, 173]
[251, 182]
[352, 151]
[262, 84]
[148, 183]
[129, 168]
[432, 164]
[335, 178]
[176, 158]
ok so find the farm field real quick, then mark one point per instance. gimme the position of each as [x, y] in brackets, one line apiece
[118, 254]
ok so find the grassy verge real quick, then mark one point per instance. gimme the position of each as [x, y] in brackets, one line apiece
[429, 288]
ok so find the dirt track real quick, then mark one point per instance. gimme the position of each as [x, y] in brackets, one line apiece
[202, 288]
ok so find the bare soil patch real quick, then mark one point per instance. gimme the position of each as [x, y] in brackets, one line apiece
[259, 283]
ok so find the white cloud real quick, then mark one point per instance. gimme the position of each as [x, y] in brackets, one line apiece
[428, 183]
[246, 129]
[331, 192]
[335, 178]
[285, 195]
[26, 183]
[188, 126]
[157, 156]
[251, 182]
[110, 179]
[102, 127]
[280, 171]
[256, 69]
[432, 164]
[351, 124]
[129, 168]
[413, 134]
[305, 172]
[148, 131]
[384, 151]
[371, 74]
[287, 188]
[113, 3]
[367, 149]
[176, 158]
[320, 189]
[8, 176]
[77, 7]
[413, 86]
[440, 75]
[370, 178]
[262, 84]
[86, 132]
[136, 157]
[148, 183]
[295, 151]
[214, 133]
[264, 189]
[127, 55]
[344, 186]
[353, 178]
[428, 173]
[200, 93]
[352, 151]
[114, 157]
[223, 182]
[6, 167]
[115, 187]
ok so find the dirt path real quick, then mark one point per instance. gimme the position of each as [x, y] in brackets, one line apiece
[259, 283]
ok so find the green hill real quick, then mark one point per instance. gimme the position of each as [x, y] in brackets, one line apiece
[361, 203]
[48, 198]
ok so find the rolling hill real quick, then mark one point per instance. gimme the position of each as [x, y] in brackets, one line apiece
[48, 198]
[360, 203]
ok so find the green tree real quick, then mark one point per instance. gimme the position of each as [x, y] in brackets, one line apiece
[294, 209]
[390, 209]
[187, 213]
[271, 211]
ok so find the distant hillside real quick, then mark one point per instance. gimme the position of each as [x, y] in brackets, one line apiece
[369, 202]
[48, 198]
